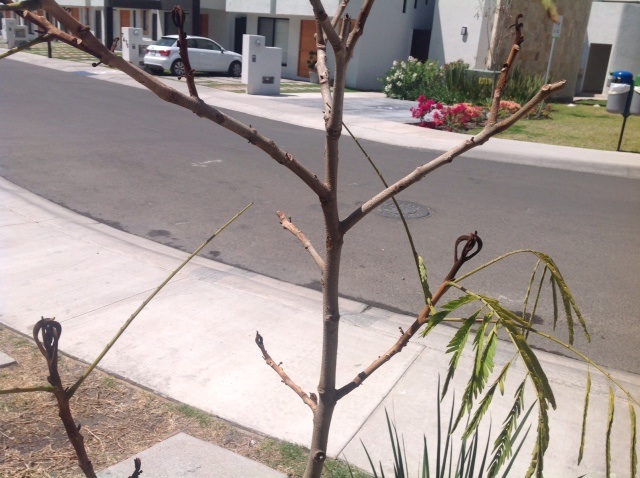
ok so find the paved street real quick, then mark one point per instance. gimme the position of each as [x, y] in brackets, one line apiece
[121, 156]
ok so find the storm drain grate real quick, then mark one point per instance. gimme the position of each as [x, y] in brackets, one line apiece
[410, 210]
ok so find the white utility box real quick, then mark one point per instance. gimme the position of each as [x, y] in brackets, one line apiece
[261, 66]
[134, 46]
[17, 35]
[7, 24]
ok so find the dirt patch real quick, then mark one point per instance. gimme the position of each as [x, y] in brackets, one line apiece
[117, 418]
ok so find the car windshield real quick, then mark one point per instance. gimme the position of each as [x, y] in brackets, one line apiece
[166, 41]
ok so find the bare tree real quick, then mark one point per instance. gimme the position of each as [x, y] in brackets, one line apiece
[342, 35]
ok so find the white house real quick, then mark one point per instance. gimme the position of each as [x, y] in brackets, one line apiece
[612, 42]
[597, 35]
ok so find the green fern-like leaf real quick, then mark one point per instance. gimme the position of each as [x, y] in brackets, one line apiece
[556, 280]
[529, 287]
[554, 289]
[634, 441]
[584, 416]
[445, 310]
[503, 444]
[485, 402]
[542, 442]
[531, 362]
[612, 407]
[422, 269]
[456, 346]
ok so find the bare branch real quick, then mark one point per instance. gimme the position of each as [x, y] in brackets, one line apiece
[287, 224]
[338, 15]
[504, 71]
[47, 28]
[41, 388]
[29, 44]
[472, 246]
[19, 6]
[322, 69]
[50, 331]
[420, 172]
[359, 28]
[311, 401]
[178, 16]
[321, 15]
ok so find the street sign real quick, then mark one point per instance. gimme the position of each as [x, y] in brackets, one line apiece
[557, 28]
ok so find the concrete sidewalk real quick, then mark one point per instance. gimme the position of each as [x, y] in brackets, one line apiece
[195, 342]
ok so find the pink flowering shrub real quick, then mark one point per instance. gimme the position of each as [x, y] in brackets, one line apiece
[459, 117]
[507, 108]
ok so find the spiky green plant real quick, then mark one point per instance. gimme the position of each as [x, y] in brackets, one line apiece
[467, 462]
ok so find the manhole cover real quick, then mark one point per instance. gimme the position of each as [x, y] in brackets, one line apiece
[410, 210]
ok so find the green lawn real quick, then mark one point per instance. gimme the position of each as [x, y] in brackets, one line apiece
[583, 126]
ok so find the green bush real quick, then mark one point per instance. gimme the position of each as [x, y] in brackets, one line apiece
[522, 86]
[409, 79]
[453, 83]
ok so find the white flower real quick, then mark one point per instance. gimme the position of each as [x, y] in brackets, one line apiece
[399, 83]
[403, 64]
[415, 75]
[395, 63]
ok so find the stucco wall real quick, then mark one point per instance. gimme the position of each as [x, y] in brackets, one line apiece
[625, 54]
[279, 7]
[615, 24]
[387, 37]
[536, 48]
[447, 44]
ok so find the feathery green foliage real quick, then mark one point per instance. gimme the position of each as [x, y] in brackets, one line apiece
[503, 445]
[634, 440]
[584, 416]
[612, 407]
[456, 346]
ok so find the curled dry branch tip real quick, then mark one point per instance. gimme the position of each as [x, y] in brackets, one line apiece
[137, 463]
[259, 340]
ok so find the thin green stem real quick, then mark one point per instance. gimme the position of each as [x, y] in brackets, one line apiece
[95, 363]
[588, 361]
[402, 218]
[24, 46]
[41, 388]
[493, 261]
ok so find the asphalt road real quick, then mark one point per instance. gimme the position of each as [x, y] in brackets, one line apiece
[123, 157]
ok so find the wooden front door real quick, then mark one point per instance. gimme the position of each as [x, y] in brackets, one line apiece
[125, 18]
[307, 44]
[204, 25]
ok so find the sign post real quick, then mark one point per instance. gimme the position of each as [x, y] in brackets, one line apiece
[557, 28]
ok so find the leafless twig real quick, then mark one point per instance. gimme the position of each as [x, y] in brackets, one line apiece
[311, 401]
[287, 224]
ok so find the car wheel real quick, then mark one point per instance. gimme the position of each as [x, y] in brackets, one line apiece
[177, 68]
[235, 69]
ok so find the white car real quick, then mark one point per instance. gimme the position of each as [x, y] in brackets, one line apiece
[204, 55]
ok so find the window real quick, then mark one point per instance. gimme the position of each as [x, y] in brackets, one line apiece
[208, 45]
[276, 33]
